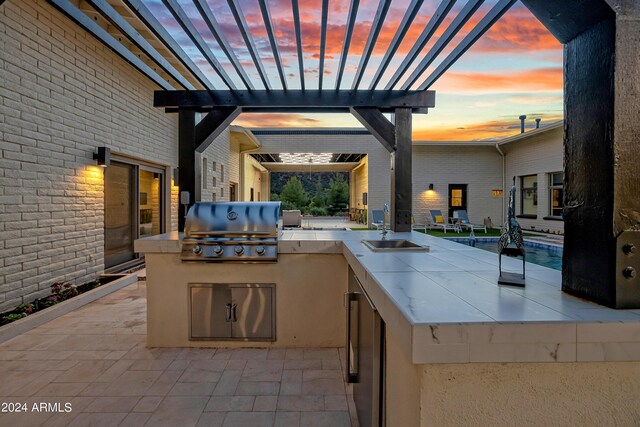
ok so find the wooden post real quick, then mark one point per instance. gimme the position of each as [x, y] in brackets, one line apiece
[186, 160]
[401, 184]
[602, 173]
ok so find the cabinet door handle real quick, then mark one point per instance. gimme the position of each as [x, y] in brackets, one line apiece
[233, 313]
[228, 316]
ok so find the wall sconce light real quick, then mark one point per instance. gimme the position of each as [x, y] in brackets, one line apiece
[496, 193]
[103, 156]
[176, 177]
[430, 187]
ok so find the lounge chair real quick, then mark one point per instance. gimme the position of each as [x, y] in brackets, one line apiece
[438, 221]
[415, 226]
[377, 219]
[463, 220]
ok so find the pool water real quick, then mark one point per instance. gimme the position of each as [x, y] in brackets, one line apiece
[537, 253]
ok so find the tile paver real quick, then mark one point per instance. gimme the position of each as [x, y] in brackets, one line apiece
[95, 358]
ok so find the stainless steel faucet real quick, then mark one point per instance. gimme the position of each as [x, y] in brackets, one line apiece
[385, 213]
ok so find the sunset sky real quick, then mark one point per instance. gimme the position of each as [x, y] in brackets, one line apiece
[515, 68]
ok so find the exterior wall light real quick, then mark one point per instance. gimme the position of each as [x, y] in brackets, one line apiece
[103, 156]
[430, 187]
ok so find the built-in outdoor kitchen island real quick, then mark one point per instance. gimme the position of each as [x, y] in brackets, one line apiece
[458, 349]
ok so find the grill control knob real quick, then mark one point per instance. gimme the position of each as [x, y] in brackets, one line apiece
[197, 249]
[260, 250]
[239, 250]
[217, 250]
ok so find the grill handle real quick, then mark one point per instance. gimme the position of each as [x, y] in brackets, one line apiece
[229, 233]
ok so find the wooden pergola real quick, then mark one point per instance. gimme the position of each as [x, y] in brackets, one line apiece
[601, 38]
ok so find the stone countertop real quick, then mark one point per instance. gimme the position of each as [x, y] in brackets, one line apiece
[445, 306]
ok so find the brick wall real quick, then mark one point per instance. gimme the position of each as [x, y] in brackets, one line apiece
[478, 167]
[538, 155]
[216, 160]
[62, 95]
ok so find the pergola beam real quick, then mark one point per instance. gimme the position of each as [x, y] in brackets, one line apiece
[482, 27]
[296, 24]
[309, 99]
[456, 25]
[77, 16]
[266, 16]
[212, 125]
[346, 44]
[376, 26]
[248, 40]
[216, 31]
[150, 21]
[412, 11]
[436, 19]
[195, 36]
[323, 40]
[109, 13]
[376, 123]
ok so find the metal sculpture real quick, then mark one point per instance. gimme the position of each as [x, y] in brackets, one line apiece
[511, 243]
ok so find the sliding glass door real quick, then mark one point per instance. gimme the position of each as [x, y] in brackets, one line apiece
[133, 200]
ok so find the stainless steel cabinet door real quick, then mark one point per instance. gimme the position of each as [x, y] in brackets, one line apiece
[211, 312]
[253, 313]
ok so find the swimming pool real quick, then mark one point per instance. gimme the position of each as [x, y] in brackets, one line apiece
[537, 253]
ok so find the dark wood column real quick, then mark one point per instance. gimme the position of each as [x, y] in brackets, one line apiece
[401, 181]
[601, 259]
[186, 160]
[396, 138]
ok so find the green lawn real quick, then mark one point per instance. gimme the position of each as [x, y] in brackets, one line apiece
[491, 232]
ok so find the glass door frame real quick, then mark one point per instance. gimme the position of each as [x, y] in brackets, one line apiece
[464, 202]
[137, 166]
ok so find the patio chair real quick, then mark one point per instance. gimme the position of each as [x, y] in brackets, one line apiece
[438, 221]
[415, 226]
[377, 219]
[463, 220]
[291, 218]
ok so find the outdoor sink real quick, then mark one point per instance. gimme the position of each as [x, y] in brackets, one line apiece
[392, 245]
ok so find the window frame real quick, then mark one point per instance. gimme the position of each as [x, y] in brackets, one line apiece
[553, 187]
[523, 196]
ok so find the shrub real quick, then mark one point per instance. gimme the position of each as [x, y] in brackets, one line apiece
[318, 211]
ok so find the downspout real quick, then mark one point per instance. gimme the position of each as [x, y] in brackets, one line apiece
[503, 183]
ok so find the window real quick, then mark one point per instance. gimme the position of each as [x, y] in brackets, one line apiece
[215, 166]
[222, 192]
[556, 193]
[214, 196]
[529, 195]
[213, 181]
[221, 173]
[204, 172]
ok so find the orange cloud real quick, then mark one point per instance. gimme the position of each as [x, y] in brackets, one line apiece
[275, 120]
[540, 79]
[495, 129]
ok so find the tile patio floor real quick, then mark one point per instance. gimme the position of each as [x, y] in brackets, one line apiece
[95, 358]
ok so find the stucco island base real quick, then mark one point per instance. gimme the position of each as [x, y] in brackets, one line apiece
[309, 292]
[510, 394]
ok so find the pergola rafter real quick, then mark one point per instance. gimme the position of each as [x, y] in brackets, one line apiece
[216, 31]
[323, 40]
[456, 25]
[248, 40]
[150, 21]
[348, 33]
[296, 23]
[376, 26]
[412, 11]
[192, 32]
[422, 41]
[266, 16]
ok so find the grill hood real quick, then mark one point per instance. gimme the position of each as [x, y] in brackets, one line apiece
[232, 220]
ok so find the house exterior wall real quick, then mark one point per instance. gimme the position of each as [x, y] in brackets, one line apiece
[478, 167]
[216, 160]
[63, 95]
[256, 177]
[538, 155]
[378, 160]
[359, 184]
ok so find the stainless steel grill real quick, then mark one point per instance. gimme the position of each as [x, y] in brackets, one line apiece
[232, 231]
